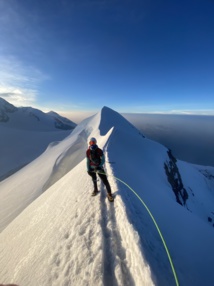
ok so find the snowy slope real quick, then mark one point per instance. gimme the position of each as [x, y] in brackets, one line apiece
[28, 118]
[63, 236]
[69, 246]
[25, 133]
[19, 147]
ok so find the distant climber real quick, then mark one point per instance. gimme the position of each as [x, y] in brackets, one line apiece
[95, 160]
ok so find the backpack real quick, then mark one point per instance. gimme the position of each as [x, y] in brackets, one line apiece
[94, 156]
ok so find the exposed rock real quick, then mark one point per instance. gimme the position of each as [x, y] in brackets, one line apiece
[174, 178]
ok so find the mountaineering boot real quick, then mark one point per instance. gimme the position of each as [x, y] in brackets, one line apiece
[95, 192]
[110, 198]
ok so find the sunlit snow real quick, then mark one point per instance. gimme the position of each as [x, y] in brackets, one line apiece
[55, 233]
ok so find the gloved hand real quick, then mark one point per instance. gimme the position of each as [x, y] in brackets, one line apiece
[100, 170]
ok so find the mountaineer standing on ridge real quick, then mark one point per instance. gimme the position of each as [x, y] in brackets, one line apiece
[95, 160]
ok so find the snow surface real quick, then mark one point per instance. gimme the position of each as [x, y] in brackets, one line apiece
[19, 147]
[25, 134]
[55, 233]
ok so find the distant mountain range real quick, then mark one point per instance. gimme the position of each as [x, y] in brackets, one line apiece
[28, 118]
[25, 133]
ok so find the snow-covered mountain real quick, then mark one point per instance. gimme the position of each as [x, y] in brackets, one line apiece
[25, 134]
[28, 118]
[55, 233]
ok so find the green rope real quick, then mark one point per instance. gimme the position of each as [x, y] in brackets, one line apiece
[156, 225]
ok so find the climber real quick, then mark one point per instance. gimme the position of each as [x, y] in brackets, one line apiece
[95, 160]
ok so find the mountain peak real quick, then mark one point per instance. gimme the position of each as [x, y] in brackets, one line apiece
[5, 107]
[110, 118]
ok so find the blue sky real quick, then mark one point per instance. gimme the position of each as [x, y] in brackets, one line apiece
[132, 56]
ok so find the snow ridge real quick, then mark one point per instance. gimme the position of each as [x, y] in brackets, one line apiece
[60, 235]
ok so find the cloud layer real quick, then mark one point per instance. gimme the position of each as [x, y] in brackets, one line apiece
[19, 84]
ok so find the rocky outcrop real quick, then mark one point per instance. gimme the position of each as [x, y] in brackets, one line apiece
[174, 178]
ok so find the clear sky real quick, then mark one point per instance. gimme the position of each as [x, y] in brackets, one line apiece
[129, 55]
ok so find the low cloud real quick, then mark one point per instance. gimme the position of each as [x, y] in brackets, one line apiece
[190, 137]
[19, 84]
[19, 97]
